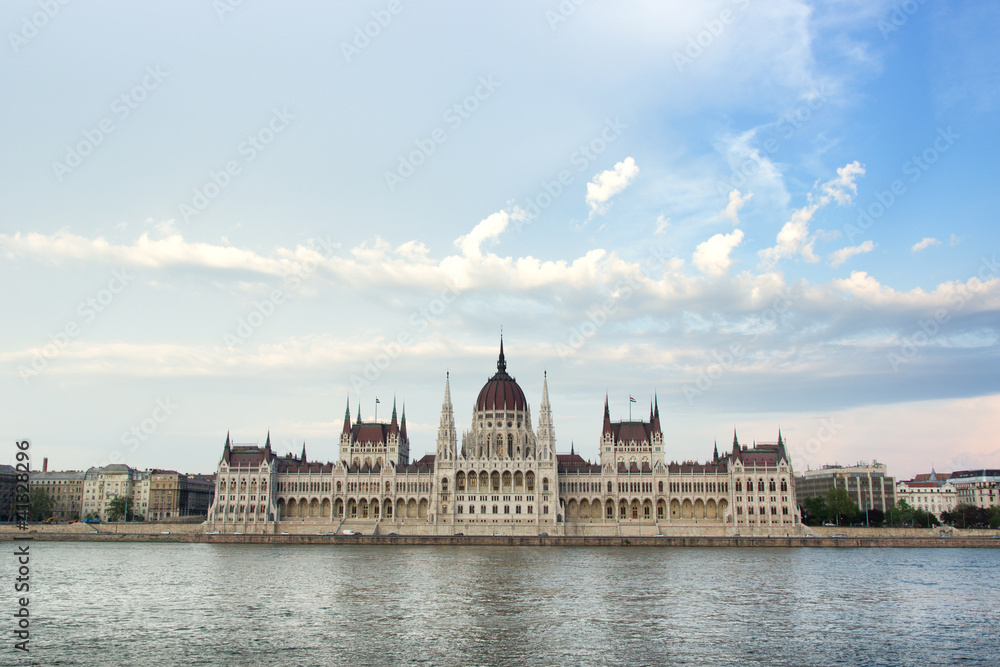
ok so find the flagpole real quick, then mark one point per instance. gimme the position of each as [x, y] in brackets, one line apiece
[376, 409]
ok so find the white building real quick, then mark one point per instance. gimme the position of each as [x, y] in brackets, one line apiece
[505, 478]
[977, 487]
[932, 493]
[102, 485]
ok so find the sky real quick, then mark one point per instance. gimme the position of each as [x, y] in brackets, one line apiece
[240, 217]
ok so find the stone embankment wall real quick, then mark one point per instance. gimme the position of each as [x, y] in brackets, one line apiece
[471, 540]
[575, 535]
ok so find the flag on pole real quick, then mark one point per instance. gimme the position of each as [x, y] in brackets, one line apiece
[376, 400]
[631, 400]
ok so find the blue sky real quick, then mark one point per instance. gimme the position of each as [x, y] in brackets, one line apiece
[768, 214]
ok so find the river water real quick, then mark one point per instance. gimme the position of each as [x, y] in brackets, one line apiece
[212, 604]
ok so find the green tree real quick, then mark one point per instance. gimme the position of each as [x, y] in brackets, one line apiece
[840, 505]
[994, 516]
[924, 519]
[814, 510]
[40, 505]
[121, 508]
[901, 514]
[969, 516]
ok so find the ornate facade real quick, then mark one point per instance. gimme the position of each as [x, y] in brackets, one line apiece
[506, 478]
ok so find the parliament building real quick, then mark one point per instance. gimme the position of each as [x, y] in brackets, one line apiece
[506, 478]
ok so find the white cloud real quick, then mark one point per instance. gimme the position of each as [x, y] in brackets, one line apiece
[794, 239]
[146, 252]
[712, 257]
[661, 224]
[609, 183]
[838, 257]
[843, 188]
[925, 243]
[488, 229]
[736, 202]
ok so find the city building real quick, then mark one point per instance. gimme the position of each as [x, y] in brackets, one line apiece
[8, 485]
[977, 487]
[65, 488]
[173, 494]
[869, 485]
[929, 492]
[102, 485]
[506, 477]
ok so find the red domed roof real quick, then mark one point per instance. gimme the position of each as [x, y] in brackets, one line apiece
[501, 392]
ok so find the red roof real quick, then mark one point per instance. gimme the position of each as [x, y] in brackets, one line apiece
[574, 463]
[632, 431]
[501, 392]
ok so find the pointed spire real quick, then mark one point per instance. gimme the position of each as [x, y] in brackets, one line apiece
[781, 443]
[402, 424]
[656, 414]
[347, 417]
[227, 438]
[393, 425]
[447, 440]
[572, 448]
[501, 362]
[715, 454]
[303, 452]
[268, 443]
[607, 416]
[736, 442]
[359, 413]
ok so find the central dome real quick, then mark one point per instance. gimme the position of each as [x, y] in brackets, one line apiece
[501, 392]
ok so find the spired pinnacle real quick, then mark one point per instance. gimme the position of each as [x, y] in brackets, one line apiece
[501, 362]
